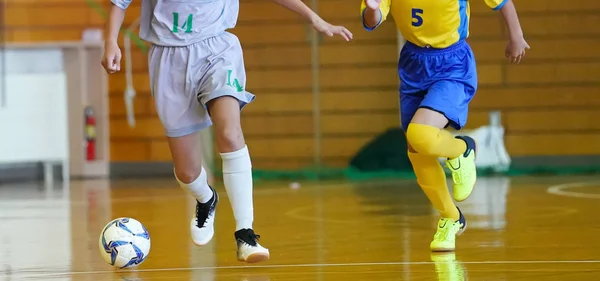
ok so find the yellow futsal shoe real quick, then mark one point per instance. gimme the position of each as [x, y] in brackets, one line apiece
[464, 172]
[448, 268]
[444, 239]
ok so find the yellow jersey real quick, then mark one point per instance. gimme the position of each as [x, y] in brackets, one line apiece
[430, 23]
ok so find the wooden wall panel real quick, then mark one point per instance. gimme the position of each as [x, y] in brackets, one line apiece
[29, 17]
[264, 126]
[550, 103]
[279, 34]
[352, 113]
[159, 150]
[145, 128]
[546, 49]
[537, 96]
[559, 120]
[361, 100]
[130, 150]
[365, 124]
[557, 72]
[143, 106]
[542, 6]
[584, 23]
[276, 104]
[554, 144]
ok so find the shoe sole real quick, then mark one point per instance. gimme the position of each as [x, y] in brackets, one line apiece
[201, 244]
[442, 250]
[257, 257]
[475, 183]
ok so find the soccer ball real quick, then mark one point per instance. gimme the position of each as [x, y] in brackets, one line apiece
[124, 242]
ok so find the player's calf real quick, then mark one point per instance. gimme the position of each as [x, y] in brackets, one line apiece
[463, 169]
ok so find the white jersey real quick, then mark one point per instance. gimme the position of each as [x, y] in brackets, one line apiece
[184, 22]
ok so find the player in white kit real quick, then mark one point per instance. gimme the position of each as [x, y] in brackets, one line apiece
[198, 78]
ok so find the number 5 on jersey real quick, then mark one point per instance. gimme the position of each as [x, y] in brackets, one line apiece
[417, 19]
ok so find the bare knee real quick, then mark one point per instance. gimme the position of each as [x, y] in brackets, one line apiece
[430, 117]
[186, 174]
[230, 139]
[225, 113]
[188, 168]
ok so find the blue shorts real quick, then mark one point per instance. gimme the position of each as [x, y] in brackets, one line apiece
[444, 80]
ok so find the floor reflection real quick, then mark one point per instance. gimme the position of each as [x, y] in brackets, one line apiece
[341, 231]
[448, 268]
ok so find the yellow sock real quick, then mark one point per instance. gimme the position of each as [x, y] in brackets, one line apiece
[433, 141]
[432, 180]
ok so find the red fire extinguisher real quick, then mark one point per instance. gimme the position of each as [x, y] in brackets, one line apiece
[90, 134]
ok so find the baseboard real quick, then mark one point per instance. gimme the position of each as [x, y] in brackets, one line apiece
[140, 169]
[10, 173]
[25, 172]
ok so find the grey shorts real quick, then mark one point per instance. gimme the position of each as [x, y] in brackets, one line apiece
[184, 79]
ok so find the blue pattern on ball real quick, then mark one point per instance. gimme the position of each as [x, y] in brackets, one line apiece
[111, 247]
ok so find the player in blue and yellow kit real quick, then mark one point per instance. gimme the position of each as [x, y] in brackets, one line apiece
[438, 80]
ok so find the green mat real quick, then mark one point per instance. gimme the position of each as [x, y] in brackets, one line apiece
[353, 174]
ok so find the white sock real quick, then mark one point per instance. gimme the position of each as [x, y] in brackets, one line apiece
[237, 177]
[199, 188]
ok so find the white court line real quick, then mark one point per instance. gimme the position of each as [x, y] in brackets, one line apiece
[560, 190]
[25, 274]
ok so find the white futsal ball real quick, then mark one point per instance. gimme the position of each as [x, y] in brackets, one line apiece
[124, 243]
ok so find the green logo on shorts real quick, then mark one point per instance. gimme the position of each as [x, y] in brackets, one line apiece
[235, 84]
[187, 25]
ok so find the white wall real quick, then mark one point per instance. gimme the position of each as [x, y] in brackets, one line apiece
[33, 116]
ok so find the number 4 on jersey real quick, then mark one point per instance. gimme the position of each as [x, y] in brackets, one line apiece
[417, 17]
[235, 84]
[187, 25]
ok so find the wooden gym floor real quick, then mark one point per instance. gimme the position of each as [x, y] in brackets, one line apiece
[528, 228]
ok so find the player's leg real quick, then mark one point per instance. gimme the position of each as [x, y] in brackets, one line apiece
[182, 117]
[193, 178]
[447, 100]
[415, 84]
[430, 175]
[223, 92]
[449, 76]
[445, 103]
